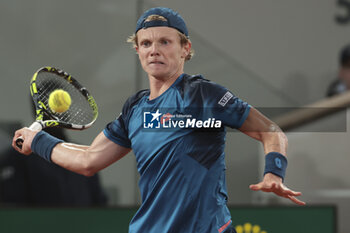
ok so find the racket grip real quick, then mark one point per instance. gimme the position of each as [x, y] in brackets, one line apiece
[19, 142]
[35, 126]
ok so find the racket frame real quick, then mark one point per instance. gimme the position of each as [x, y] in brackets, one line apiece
[40, 107]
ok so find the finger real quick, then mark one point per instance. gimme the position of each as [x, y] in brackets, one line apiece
[263, 186]
[17, 134]
[14, 144]
[25, 149]
[292, 193]
[256, 187]
[296, 200]
[274, 186]
[287, 191]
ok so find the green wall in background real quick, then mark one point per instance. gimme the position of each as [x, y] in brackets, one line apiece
[312, 219]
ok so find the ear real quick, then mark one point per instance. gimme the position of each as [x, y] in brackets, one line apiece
[187, 49]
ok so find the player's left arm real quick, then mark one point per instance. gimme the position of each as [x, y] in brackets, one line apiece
[273, 139]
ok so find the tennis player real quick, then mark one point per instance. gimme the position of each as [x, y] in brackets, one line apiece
[177, 131]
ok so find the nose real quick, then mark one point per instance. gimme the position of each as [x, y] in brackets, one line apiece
[154, 50]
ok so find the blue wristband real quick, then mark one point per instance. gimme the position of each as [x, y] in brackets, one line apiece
[276, 163]
[43, 144]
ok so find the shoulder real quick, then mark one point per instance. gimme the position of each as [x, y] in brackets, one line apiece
[194, 84]
[194, 81]
[198, 86]
[134, 100]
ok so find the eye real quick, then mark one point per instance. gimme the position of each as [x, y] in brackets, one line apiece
[145, 43]
[164, 42]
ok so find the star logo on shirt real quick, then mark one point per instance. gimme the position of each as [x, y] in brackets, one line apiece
[152, 119]
[156, 115]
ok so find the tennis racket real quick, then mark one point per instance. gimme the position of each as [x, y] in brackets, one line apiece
[82, 112]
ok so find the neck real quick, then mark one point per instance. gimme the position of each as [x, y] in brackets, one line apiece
[158, 86]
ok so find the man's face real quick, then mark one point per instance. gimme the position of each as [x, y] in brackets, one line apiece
[160, 52]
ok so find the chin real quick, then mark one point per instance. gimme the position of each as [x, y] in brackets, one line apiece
[158, 75]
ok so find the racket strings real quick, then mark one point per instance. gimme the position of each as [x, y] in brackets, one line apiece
[80, 112]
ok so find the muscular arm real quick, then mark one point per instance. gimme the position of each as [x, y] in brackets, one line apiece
[87, 160]
[261, 128]
[273, 139]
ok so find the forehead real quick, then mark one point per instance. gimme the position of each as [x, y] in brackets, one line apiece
[157, 32]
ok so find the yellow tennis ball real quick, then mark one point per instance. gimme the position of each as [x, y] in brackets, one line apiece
[59, 101]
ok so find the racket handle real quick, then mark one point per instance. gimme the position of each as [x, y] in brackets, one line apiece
[35, 126]
[19, 142]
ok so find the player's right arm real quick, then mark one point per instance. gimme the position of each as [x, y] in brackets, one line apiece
[85, 160]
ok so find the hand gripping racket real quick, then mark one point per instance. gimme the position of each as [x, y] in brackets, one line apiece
[82, 112]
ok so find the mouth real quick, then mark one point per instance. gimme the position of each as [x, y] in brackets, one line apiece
[156, 63]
